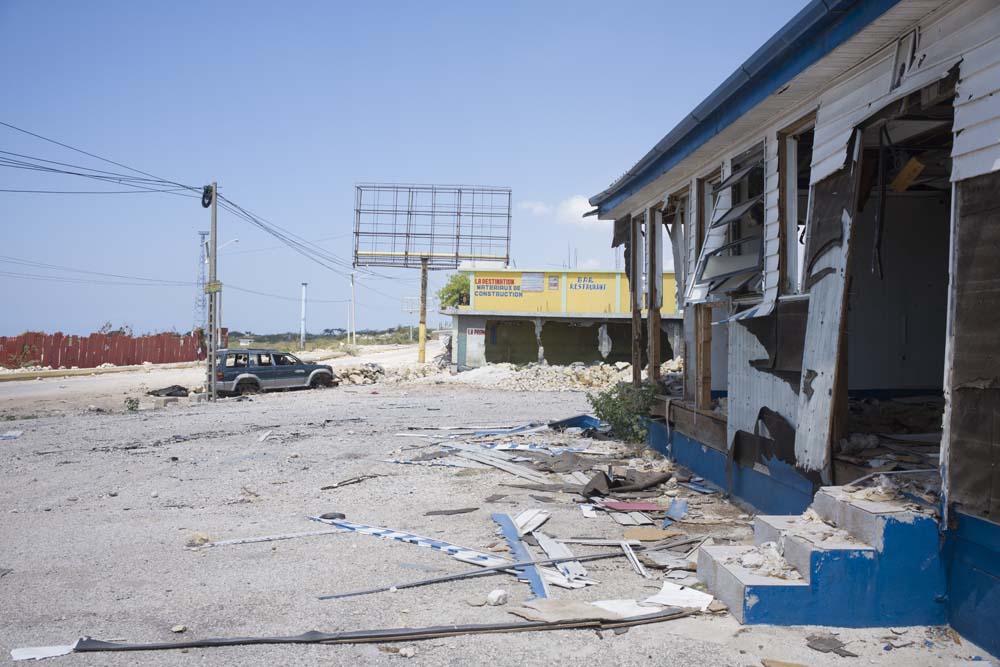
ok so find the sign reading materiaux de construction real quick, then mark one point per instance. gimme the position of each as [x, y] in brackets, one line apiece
[573, 292]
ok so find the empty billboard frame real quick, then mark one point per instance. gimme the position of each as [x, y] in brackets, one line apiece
[401, 225]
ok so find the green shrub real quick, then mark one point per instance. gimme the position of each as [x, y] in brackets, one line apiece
[626, 409]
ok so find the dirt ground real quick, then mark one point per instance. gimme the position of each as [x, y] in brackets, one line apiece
[98, 508]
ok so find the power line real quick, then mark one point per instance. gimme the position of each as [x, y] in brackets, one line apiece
[98, 157]
[92, 192]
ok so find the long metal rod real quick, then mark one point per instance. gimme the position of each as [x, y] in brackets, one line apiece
[495, 569]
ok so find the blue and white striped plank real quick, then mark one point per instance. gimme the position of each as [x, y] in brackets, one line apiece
[461, 553]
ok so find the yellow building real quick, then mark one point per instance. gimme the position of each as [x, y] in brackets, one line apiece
[558, 317]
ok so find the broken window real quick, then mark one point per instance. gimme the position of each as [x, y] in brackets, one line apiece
[731, 258]
[676, 216]
[797, 147]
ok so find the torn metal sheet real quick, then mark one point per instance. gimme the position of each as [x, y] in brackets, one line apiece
[579, 421]
[633, 559]
[529, 573]
[530, 520]
[42, 652]
[700, 488]
[433, 464]
[630, 506]
[531, 447]
[506, 466]
[571, 569]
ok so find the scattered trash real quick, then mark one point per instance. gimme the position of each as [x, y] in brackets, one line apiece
[198, 539]
[348, 481]
[406, 651]
[700, 488]
[649, 533]
[827, 643]
[462, 510]
[266, 538]
[769, 662]
[263, 436]
[678, 509]
[529, 521]
[672, 595]
[333, 516]
[11, 435]
[172, 390]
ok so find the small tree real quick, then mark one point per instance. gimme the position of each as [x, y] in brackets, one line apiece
[455, 292]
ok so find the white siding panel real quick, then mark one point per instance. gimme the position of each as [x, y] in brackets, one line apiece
[772, 221]
[750, 389]
[976, 150]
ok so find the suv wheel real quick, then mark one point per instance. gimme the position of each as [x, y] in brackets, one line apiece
[321, 381]
[247, 388]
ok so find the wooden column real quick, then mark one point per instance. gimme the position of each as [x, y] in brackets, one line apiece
[654, 238]
[634, 292]
[703, 355]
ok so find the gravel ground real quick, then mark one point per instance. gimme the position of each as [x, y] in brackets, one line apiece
[98, 507]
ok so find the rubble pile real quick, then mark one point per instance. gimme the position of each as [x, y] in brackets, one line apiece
[579, 377]
[411, 372]
[362, 374]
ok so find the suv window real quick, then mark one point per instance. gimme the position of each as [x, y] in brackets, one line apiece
[264, 360]
[285, 360]
[237, 360]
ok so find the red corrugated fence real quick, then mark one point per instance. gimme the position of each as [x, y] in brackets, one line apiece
[57, 350]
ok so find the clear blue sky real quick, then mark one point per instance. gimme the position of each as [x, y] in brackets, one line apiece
[288, 105]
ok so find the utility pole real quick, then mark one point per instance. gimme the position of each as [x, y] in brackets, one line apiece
[422, 329]
[201, 299]
[209, 198]
[302, 324]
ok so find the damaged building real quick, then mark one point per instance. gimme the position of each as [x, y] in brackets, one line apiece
[833, 209]
[555, 317]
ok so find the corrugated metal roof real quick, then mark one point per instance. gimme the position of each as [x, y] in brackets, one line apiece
[813, 34]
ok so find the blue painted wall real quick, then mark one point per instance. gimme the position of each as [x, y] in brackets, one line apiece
[783, 491]
[972, 552]
[903, 584]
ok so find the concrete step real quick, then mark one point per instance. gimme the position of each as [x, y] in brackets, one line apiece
[740, 588]
[863, 563]
[804, 540]
[863, 519]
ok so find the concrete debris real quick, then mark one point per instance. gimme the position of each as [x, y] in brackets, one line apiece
[767, 561]
[368, 373]
[575, 377]
[497, 598]
[178, 628]
[407, 652]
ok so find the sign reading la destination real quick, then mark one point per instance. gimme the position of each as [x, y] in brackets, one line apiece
[502, 287]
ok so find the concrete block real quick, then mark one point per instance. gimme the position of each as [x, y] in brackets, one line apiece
[198, 398]
[161, 402]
